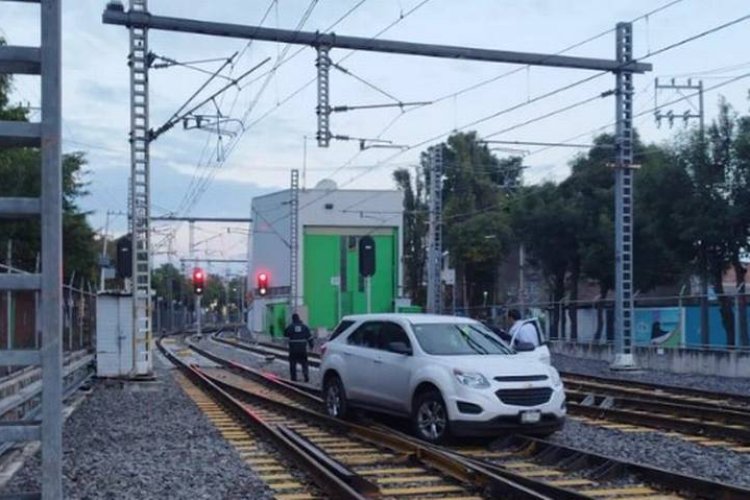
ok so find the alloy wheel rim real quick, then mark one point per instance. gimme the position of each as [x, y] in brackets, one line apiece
[431, 419]
[333, 400]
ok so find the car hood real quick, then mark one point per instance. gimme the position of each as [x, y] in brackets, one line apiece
[497, 365]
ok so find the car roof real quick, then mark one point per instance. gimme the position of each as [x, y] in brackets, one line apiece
[415, 318]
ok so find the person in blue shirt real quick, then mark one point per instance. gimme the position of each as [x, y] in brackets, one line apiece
[300, 338]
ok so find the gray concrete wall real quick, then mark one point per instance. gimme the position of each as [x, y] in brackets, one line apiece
[723, 363]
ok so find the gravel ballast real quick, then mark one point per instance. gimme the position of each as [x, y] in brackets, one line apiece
[648, 447]
[655, 449]
[145, 440]
[601, 368]
[278, 366]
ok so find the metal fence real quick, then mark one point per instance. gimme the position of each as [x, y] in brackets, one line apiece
[668, 321]
[20, 317]
[171, 316]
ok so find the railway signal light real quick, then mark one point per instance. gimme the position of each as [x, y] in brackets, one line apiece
[262, 284]
[199, 279]
[366, 256]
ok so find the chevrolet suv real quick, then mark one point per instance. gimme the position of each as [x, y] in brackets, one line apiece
[449, 375]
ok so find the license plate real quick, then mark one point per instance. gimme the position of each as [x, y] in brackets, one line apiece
[530, 417]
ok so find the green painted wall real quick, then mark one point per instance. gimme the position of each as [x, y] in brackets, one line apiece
[275, 318]
[328, 254]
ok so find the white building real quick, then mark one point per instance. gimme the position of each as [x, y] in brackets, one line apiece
[330, 224]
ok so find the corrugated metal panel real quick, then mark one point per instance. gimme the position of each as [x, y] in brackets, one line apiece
[114, 320]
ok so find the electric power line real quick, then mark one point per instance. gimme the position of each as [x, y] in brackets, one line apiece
[574, 84]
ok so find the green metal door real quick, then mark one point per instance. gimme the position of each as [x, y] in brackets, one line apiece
[331, 256]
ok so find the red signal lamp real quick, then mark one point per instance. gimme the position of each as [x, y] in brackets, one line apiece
[262, 284]
[198, 281]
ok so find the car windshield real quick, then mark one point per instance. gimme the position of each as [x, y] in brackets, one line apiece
[449, 339]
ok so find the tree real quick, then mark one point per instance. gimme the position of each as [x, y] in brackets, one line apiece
[169, 283]
[718, 219]
[477, 228]
[476, 224]
[545, 223]
[415, 226]
[20, 171]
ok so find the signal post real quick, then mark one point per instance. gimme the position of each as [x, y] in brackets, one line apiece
[199, 278]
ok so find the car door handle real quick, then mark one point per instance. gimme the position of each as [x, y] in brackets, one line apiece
[378, 361]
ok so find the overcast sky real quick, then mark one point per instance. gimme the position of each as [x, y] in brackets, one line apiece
[96, 92]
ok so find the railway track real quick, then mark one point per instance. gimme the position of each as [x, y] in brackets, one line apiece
[661, 392]
[342, 460]
[553, 470]
[701, 417]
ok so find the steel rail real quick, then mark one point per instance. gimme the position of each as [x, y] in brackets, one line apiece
[666, 423]
[654, 475]
[722, 416]
[323, 478]
[654, 395]
[459, 469]
[688, 485]
[674, 389]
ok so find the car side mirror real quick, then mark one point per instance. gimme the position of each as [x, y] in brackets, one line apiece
[399, 348]
[524, 347]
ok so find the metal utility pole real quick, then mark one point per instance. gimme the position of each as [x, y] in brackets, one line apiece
[435, 232]
[140, 208]
[45, 135]
[323, 110]
[104, 253]
[9, 298]
[686, 116]
[624, 202]
[294, 242]
[521, 278]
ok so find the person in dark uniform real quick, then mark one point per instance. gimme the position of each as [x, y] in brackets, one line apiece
[300, 338]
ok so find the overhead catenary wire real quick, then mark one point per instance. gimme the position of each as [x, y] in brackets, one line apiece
[574, 84]
[577, 83]
[649, 110]
[209, 176]
[201, 185]
[194, 177]
[509, 73]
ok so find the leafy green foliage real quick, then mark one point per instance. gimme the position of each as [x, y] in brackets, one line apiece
[20, 171]
[415, 225]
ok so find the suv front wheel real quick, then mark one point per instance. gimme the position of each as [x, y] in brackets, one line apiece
[430, 417]
[335, 397]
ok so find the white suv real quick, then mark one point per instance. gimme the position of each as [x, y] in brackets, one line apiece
[450, 375]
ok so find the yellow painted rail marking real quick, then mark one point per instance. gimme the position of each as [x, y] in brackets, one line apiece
[570, 482]
[407, 479]
[616, 492]
[401, 470]
[421, 490]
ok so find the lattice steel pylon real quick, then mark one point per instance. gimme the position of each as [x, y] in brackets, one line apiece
[294, 242]
[624, 215]
[323, 110]
[140, 187]
[435, 232]
[45, 135]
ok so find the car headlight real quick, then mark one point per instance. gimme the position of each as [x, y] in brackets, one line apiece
[555, 378]
[471, 379]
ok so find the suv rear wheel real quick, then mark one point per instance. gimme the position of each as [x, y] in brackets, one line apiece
[430, 417]
[335, 397]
